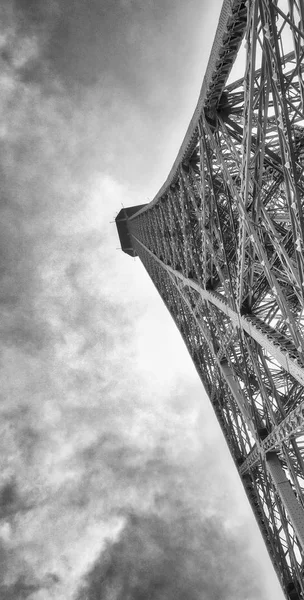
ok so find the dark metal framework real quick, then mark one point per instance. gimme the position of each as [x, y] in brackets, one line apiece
[223, 242]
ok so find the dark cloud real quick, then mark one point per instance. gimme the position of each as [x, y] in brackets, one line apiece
[101, 442]
[8, 497]
[128, 66]
[20, 590]
[134, 41]
[27, 586]
[171, 557]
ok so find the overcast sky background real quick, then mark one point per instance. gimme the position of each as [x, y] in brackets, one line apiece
[114, 474]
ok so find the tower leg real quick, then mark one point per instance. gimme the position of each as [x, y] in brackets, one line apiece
[292, 506]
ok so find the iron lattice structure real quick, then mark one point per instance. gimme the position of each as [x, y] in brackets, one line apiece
[223, 243]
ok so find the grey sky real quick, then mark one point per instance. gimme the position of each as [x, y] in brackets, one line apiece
[114, 474]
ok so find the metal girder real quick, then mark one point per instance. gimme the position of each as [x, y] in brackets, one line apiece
[272, 341]
[223, 241]
[286, 493]
[292, 425]
[231, 407]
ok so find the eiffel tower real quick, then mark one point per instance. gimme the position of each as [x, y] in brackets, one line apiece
[223, 242]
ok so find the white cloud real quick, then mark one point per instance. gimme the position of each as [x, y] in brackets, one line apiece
[102, 412]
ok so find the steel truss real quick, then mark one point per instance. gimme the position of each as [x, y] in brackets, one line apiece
[223, 242]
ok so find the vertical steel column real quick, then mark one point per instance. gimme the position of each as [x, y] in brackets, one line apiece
[292, 506]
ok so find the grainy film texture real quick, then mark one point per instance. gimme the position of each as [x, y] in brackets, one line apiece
[223, 242]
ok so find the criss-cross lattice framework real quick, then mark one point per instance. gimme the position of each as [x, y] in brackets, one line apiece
[223, 242]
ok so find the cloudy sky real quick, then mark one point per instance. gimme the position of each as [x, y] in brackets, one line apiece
[115, 482]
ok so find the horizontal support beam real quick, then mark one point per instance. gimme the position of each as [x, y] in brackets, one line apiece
[292, 424]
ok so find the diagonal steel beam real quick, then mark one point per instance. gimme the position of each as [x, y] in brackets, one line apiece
[287, 356]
